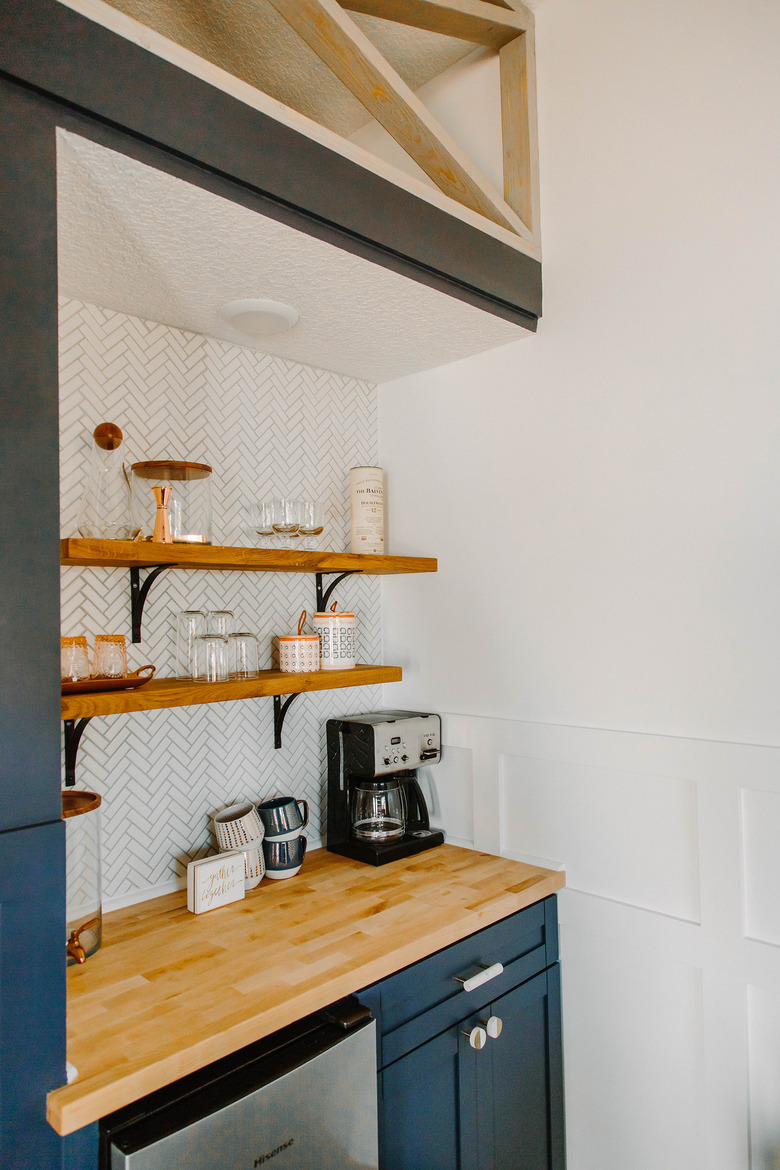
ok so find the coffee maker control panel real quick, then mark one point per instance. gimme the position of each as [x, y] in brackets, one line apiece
[406, 741]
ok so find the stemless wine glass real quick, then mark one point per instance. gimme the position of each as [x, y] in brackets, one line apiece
[261, 521]
[312, 522]
[190, 623]
[211, 663]
[219, 622]
[242, 655]
[286, 519]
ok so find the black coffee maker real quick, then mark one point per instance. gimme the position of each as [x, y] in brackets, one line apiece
[376, 809]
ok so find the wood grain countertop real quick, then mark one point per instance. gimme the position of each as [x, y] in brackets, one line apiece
[169, 991]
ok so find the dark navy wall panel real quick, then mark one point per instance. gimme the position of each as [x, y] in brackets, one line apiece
[32, 993]
[29, 466]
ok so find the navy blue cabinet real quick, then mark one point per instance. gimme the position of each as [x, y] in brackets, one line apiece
[446, 1105]
[32, 991]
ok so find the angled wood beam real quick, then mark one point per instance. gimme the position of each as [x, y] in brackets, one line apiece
[337, 41]
[518, 129]
[469, 20]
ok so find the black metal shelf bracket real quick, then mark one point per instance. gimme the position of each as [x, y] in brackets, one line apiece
[324, 598]
[73, 733]
[139, 592]
[280, 710]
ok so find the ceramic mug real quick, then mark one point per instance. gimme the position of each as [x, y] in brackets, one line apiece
[283, 817]
[336, 632]
[283, 859]
[238, 826]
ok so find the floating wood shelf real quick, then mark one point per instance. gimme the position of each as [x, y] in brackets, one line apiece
[172, 692]
[130, 554]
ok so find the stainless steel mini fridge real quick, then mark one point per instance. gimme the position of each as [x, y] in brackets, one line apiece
[303, 1098]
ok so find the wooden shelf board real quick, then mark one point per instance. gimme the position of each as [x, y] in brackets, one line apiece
[130, 554]
[173, 692]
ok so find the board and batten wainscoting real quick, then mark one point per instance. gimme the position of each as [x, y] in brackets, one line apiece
[670, 933]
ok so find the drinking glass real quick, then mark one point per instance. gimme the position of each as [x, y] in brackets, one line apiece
[110, 659]
[190, 623]
[312, 522]
[211, 658]
[219, 621]
[286, 519]
[243, 656]
[74, 659]
[261, 521]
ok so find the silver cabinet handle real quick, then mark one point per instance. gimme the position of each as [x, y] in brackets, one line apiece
[477, 1037]
[493, 1025]
[484, 976]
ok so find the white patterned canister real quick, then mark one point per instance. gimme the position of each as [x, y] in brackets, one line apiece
[299, 653]
[367, 510]
[337, 640]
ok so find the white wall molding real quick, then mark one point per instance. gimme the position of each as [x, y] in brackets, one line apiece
[701, 819]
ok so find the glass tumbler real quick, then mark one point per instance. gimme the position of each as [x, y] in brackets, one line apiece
[243, 656]
[110, 660]
[190, 623]
[81, 813]
[219, 621]
[74, 659]
[211, 664]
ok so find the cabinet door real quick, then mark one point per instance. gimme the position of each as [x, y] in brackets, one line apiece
[524, 1079]
[427, 1107]
[32, 975]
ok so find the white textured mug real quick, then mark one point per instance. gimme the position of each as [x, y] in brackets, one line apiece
[336, 632]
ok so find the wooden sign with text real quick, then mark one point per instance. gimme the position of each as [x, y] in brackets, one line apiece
[215, 881]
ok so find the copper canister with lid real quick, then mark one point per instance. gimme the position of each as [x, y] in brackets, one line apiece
[83, 893]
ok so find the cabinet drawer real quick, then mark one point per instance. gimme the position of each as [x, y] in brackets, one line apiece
[525, 943]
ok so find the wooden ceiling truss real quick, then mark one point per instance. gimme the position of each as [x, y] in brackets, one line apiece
[328, 29]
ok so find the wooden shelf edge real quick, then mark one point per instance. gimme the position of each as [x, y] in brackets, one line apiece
[129, 554]
[172, 692]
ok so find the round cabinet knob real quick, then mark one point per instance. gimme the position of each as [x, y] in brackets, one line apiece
[492, 1026]
[477, 1037]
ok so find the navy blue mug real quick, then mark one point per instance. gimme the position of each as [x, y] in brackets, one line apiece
[283, 817]
[284, 858]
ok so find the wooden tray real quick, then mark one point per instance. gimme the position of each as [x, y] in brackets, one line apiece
[93, 685]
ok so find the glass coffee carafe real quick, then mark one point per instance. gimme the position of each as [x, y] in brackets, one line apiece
[378, 810]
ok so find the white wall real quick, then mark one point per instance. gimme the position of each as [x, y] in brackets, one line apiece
[604, 501]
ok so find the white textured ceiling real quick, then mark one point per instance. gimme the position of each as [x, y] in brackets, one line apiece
[138, 241]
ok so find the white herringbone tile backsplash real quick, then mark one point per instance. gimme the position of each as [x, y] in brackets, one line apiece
[268, 427]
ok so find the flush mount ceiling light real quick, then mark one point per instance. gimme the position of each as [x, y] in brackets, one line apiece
[259, 318]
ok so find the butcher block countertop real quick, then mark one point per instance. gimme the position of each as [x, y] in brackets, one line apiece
[169, 991]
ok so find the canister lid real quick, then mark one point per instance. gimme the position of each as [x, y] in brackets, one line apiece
[299, 637]
[75, 802]
[171, 469]
[340, 613]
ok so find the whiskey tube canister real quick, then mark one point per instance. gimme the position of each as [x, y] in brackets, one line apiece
[367, 510]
